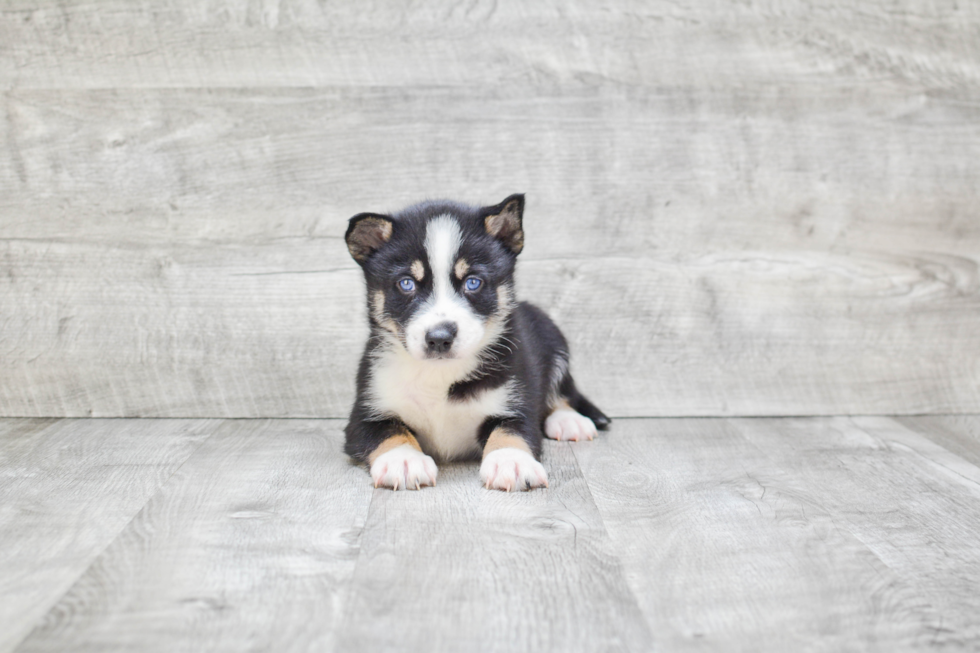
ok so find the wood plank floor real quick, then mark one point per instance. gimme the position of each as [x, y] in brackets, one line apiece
[767, 534]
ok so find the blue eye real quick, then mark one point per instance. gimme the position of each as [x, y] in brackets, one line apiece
[406, 284]
[472, 283]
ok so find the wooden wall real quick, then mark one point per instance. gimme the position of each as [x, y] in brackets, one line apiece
[754, 208]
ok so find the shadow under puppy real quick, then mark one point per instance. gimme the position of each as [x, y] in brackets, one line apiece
[455, 367]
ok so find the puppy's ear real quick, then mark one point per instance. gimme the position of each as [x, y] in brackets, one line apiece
[505, 222]
[366, 233]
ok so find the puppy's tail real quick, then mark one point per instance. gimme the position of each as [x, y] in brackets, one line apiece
[590, 410]
[580, 404]
[546, 337]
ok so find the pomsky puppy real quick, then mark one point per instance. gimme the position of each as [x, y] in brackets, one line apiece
[455, 367]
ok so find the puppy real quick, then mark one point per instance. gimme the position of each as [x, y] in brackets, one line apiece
[455, 367]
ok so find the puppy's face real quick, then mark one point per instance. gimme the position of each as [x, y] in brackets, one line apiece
[440, 275]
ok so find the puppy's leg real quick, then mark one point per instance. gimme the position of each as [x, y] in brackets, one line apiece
[392, 453]
[573, 417]
[566, 423]
[398, 463]
[508, 463]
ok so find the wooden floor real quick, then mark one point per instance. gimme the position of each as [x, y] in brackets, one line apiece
[840, 533]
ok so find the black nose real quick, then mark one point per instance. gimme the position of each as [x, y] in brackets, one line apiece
[439, 338]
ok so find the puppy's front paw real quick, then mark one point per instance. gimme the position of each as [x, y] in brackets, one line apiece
[567, 424]
[512, 469]
[404, 467]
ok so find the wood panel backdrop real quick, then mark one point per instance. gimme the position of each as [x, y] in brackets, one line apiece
[754, 208]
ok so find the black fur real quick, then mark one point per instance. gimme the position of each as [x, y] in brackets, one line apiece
[528, 349]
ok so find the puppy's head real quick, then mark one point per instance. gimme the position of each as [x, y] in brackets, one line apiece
[440, 274]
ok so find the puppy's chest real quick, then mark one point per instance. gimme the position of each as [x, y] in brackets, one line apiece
[420, 398]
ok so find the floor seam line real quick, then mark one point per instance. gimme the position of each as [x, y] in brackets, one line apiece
[608, 537]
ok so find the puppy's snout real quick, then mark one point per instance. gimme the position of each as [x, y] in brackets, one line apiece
[439, 339]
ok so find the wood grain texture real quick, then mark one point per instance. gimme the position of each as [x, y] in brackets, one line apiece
[830, 166]
[727, 548]
[803, 250]
[913, 503]
[461, 568]
[249, 546]
[184, 43]
[67, 488]
[960, 434]
[816, 534]
[176, 331]
[748, 209]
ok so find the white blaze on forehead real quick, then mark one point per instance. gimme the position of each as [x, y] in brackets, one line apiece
[442, 239]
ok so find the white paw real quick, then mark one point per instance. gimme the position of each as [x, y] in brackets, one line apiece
[402, 468]
[512, 469]
[567, 424]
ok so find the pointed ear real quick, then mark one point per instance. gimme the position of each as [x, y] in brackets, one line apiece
[366, 232]
[505, 222]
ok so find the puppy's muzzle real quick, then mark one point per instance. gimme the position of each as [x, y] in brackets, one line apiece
[439, 339]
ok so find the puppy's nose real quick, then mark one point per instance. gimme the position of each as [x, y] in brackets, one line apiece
[439, 338]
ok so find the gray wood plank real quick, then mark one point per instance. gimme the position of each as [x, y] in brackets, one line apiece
[20, 436]
[678, 534]
[249, 546]
[461, 568]
[912, 502]
[183, 332]
[629, 171]
[212, 280]
[727, 547]
[67, 488]
[116, 43]
[960, 434]
[695, 338]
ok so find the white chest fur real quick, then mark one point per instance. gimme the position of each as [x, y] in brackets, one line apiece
[417, 392]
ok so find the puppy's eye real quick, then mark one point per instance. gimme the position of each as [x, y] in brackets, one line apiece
[472, 283]
[406, 284]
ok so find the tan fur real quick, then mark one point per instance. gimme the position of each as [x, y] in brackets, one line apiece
[560, 404]
[505, 299]
[393, 442]
[506, 225]
[418, 270]
[378, 312]
[378, 305]
[369, 234]
[461, 268]
[501, 438]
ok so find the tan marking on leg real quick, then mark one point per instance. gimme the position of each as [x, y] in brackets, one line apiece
[561, 404]
[418, 270]
[503, 437]
[391, 443]
[461, 268]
